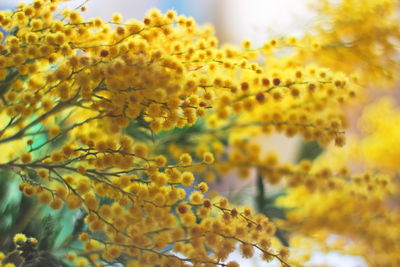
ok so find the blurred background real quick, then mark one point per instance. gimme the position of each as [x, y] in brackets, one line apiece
[234, 21]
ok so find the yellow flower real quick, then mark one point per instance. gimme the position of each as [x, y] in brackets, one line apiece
[19, 238]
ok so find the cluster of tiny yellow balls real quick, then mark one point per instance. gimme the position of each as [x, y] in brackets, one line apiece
[166, 72]
[85, 82]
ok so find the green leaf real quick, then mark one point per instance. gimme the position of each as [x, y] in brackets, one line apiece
[5, 84]
[49, 233]
[283, 236]
[272, 198]
[309, 151]
[275, 212]
[79, 223]
[139, 130]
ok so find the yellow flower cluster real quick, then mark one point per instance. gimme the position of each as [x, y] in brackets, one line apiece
[365, 214]
[128, 120]
[356, 37]
[19, 241]
[84, 82]
[362, 217]
[2, 257]
[380, 122]
[362, 209]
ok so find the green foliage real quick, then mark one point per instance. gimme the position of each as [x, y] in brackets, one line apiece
[309, 151]
[19, 214]
[50, 231]
[266, 205]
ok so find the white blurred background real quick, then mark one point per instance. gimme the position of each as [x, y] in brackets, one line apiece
[234, 20]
